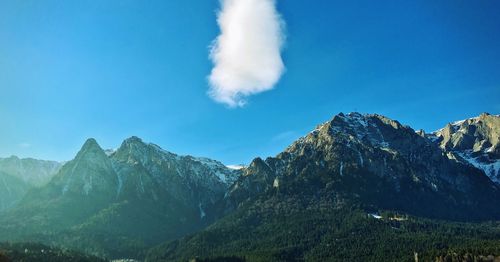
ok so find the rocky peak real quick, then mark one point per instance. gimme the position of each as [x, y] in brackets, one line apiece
[135, 151]
[475, 141]
[354, 128]
[475, 134]
[91, 154]
[90, 170]
[133, 142]
[90, 147]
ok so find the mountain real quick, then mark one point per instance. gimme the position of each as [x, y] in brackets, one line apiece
[32, 171]
[117, 204]
[12, 190]
[475, 141]
[375, 161]
[17, 176]
[357, 188]
[313, 200]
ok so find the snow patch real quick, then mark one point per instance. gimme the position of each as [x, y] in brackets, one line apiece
[141, 183]
[276, 182]
[120, 184]
[235, 167]
[490, 169]
[375, 215]
[202, 212]
[361, 160]
[490, 149]
[87, 186]
[221, 176]
[109, 152]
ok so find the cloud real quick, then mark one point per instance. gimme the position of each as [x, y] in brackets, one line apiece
[247, 53]
[24, 145]
[286, 136]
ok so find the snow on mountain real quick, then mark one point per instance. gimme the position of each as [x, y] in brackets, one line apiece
[475, 141]
[225, 173]
[235, 167]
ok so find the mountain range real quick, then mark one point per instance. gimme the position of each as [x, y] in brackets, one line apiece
[351, 180]
[134, 197]
[17, 176]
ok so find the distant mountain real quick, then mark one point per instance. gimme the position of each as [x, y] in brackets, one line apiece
[12, 190]
[17, 176]
[32, 171]
[118, 203]
[312, 201]
[475, 141]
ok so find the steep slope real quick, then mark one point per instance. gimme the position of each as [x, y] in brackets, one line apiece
[475, 141]
[117, 204]
[188, 179]
[12, 190]
[313, 198]
[32, 171]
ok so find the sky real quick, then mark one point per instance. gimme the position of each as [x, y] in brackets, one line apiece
[70, 70]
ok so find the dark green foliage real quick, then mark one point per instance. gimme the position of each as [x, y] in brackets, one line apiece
[272, 230]
[219, 259]
[33, 252]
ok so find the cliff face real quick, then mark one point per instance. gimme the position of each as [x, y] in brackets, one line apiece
[475, 141]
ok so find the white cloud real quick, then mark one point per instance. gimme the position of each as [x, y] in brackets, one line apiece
[24, 145]
[247, 53]
[285, 136]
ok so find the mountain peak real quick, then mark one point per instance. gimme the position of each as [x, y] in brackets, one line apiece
[134, 139]
[90, 143]
[133, 143]
[475, 141]
[91, 149]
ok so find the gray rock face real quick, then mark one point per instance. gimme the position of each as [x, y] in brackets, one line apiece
[89, 172]
[375, 161]
[475, 141]
[149, 172]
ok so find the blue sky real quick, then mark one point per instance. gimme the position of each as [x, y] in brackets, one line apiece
[70, 70]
